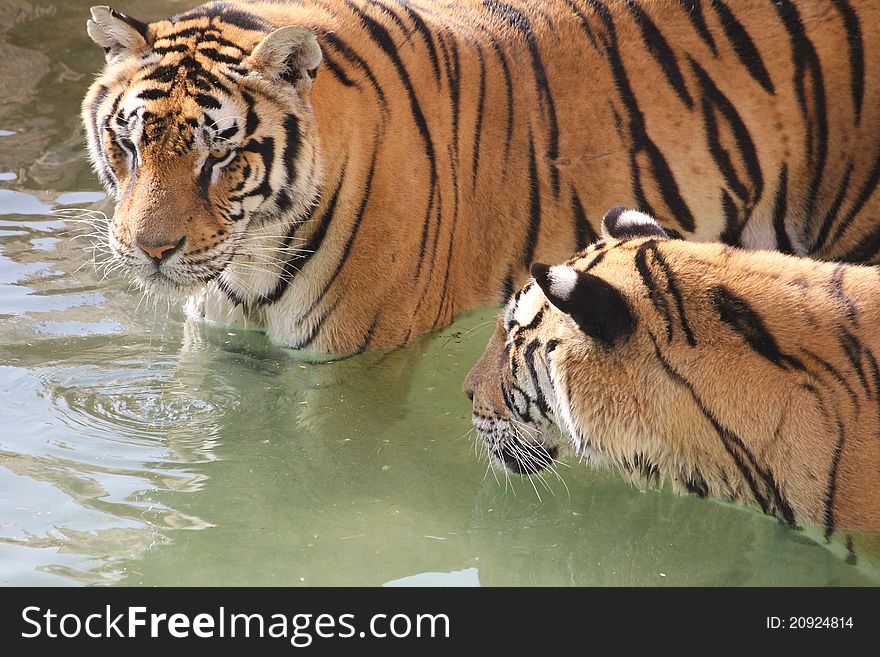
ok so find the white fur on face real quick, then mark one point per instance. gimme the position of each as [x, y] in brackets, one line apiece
[528, 306]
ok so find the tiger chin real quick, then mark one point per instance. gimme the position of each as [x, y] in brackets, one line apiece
[749, 376]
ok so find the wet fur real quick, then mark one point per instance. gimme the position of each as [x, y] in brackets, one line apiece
[743, 375]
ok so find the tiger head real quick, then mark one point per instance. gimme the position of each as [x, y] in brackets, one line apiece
[561, 368]
[201, 129]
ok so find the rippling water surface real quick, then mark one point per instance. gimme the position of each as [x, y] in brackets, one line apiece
[136, 448]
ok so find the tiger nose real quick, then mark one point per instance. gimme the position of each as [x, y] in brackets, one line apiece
[160, 252]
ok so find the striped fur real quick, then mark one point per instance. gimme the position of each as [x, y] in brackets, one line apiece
[745, 375]
[442, 147]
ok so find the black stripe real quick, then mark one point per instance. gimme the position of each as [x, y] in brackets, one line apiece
[175, 47]
[100, 97]
[368, 336]
[853, 350]
[332, 40]
[650, 247]
[393, 15]
[265, 148]
[600, 256]
[519, 21]
[380, 36]
[806, 64]
[444, 298]
[739, 315]
[217, 56]
[835, 373]
[508, 90]
[336, 70]
[343, 258]
[206, 101]
[298, 260]
[742, 138]
[743, 46]
[856, 54]
[875, 374]
[696, 484]
[641, 142]
[105, 171]
[318, 324]
[153, 94]
[539, 399]
[214, 37]
[166, 73]
[234, 298]
[478, 124]
[838, 291]
[694, 11]
[534, 209]
[425, 33]
[732, 225]
[657, 298]
[226, 13]
[831, 487]
[185, 33]
[831, 214]
[289, 158]
[865, 193]
[253, 120]
[584, 22]
[780, 209]
[741, 455]
[867, 248]
[583, 231]
[452, 66]
[655, 43]
[507, 287]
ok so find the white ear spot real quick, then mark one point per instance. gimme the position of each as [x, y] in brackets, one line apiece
[562, 281]
[621, 222]
[635, 218]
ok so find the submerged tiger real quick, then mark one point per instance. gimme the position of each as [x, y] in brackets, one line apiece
[750, 376]
[348, 174]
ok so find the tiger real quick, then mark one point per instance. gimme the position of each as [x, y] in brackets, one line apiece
[346, 175]
[747, 376]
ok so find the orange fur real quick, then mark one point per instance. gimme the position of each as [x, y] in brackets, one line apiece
[467, 139]
[746, 375]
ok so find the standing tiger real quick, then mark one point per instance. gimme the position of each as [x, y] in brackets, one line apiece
[746, 375]
[348, 174]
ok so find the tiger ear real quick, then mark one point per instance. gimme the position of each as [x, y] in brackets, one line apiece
[622, 223]
[289, 53]
[596, 306]
[116, 33]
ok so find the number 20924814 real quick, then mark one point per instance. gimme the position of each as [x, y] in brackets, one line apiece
[809, 622]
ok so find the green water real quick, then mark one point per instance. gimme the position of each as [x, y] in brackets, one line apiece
[138, 449]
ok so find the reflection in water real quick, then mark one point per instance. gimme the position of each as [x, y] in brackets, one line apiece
[138, 449]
